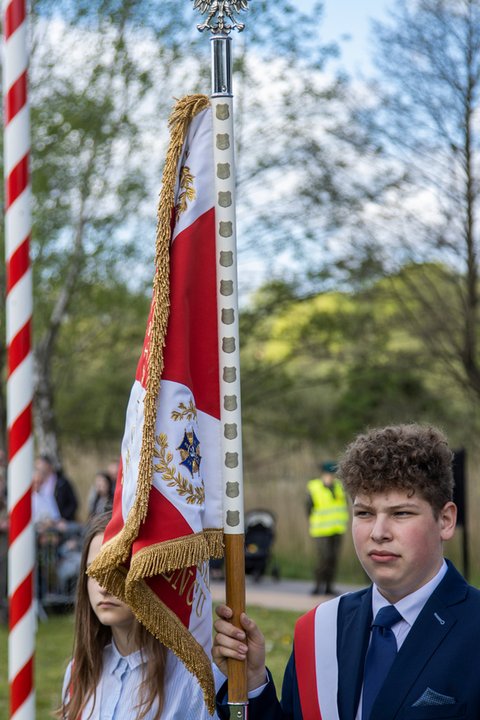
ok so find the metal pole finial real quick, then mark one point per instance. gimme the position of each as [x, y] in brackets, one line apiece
[220, 18]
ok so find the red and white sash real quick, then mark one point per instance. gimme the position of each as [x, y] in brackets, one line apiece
[315, 646]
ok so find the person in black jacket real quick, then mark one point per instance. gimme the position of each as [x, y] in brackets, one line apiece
[56, 484]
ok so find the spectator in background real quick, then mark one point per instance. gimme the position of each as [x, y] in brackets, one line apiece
[101, 494]
[58, 543]
[53, 483]
[112, 471]
[328, 518]
[45, 512]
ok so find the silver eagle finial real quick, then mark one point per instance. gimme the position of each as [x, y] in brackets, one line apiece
[220, 15]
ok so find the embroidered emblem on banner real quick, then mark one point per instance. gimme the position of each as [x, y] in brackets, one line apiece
[190, 452]
[188, 412]
[189, 449]
[188, 192]
[193, 494]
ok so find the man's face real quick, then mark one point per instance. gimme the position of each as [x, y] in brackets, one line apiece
[328, 479]
[398, 540]
[37, 480]
[43, 468]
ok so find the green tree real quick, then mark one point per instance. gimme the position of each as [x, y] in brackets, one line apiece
[319, 369]
[423, 113]
[102, 74]
[87, 183]
[95, 362]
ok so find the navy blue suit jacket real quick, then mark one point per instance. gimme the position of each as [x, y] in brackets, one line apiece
[436, 673]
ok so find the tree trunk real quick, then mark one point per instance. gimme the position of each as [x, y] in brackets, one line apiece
[44, 414]
[44, 405]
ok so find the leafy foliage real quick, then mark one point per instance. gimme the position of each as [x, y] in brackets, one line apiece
[323, 368]
[422, 116]
[95, 362]
[102, 74]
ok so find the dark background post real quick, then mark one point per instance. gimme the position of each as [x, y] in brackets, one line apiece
[460, 497]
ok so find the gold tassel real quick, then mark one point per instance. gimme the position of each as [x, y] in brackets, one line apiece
[178, 553]
[215, 542]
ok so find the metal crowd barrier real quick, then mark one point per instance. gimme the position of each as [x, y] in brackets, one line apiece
[57, 564]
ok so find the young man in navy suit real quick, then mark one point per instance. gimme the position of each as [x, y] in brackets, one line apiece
[349, 661]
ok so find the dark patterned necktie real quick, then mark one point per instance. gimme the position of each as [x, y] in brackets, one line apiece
[380, 656]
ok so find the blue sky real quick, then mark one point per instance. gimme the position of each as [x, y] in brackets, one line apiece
[352, 18]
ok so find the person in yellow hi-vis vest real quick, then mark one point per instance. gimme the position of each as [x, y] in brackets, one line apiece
[328, 519]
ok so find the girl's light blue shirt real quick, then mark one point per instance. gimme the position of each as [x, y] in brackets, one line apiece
[117, 691]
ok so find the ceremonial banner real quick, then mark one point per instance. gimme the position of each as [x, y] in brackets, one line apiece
[167, 514]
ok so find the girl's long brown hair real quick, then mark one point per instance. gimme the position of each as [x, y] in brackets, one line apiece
[90, 638]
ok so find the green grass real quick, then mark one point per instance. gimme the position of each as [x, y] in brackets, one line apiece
[277, 627]
[54, 644]
[300, 567]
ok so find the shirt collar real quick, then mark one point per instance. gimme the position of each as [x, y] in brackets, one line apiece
[112, 658]
[411, 605]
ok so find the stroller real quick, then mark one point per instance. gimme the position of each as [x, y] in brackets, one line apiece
[259, 537]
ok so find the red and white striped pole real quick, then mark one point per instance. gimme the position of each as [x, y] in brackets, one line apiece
[21, 552]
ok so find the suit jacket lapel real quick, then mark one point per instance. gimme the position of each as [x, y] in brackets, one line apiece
[429, 630]
[354, 620]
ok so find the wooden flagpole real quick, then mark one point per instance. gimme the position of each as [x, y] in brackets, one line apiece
[220, 21]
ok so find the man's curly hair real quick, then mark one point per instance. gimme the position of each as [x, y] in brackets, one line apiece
[414, 458]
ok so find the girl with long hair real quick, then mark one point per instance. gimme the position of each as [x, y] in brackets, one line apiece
[119, 670]
[101, 494]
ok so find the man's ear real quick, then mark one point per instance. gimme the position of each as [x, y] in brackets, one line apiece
[448, 520]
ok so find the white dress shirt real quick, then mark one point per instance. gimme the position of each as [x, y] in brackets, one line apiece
[44, 507]
[117, 692]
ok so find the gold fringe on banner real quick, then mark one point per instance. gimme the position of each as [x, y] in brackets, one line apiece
[117, 550]
[179, 553]
[173, 634]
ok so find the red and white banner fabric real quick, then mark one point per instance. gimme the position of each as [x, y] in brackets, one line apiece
[167, 513]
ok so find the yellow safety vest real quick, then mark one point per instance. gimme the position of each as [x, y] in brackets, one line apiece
[329, 515]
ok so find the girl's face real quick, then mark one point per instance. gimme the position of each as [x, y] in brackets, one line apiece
[109, 610]
[101, 485]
